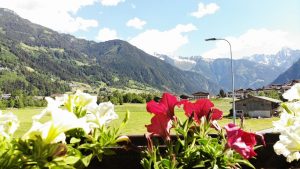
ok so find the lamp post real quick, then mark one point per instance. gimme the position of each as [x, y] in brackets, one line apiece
[232, 75]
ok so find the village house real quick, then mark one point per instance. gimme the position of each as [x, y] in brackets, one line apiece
[280, 88]
[257, 106]
[201, 95]
[5, 96]
[242, 93]
[186, 97]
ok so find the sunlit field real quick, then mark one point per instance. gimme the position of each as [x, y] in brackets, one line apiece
[139, 117]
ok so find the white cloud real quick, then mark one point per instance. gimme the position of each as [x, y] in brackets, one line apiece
[111, 2]
[205, 10]
[163, 42]
[254, 41]
[55, 14]
[106, 34]
[136, 23]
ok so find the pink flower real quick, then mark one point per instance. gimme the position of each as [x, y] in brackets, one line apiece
[160, 125]
[165, 106]
[202, 107]
[240, 141]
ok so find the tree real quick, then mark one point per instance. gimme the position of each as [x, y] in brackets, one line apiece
[273, 94]
[222, 93]
[2, 104]
[11, 102]
[127, 97]
[19, 103]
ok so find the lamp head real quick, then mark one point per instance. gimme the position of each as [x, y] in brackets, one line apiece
[210, 39]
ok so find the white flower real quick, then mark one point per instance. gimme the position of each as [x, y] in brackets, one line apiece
[79, 100]
[52, 104]
[53, 130]
[293, 93]
[294, 108]
[84, 99]
[9, 123]
[289, 126]
[289, 143]
[286, 120]
[99, 115]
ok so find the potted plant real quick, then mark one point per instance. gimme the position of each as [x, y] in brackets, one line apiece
[194, 146]
[76, 133]
[77, 136]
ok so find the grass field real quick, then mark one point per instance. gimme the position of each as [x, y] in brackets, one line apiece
[139, 117]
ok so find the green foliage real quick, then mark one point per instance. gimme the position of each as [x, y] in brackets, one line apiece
[39, 149]
[38, 154]
[117, 97]
[19, 99]
[192, 148]
[8, 156]
[95, 145]
[272, 94]
[3, 104]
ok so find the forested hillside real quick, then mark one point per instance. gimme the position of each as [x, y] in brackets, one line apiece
[43, 62]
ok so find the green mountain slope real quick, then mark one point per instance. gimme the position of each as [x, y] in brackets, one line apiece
[63, 58]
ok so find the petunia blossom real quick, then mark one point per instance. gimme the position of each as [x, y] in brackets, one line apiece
[80, 101]
[202, 108]
[52, 104]
[160, 125]
[289, 143]
[9, 123]
[165, 106]
[293, 93]
[240, 141]
[99, 115]
[53, 131]
[83, 99]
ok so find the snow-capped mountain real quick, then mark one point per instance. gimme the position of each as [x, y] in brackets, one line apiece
[284, 59]
[251, 72]
[180, 62]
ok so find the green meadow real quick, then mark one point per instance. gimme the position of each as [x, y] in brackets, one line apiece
[139, 117]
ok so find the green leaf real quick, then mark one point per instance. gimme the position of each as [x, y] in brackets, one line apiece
[125, 120]
[71, 159]
[86, 160]
[74, 140]
[246, 162]
[286, 108]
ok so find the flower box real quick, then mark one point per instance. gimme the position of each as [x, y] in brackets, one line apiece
[267, 158]
[130, 158]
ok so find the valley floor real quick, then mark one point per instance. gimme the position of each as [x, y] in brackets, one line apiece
[139, 117]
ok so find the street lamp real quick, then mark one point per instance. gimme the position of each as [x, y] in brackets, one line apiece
[232, 75]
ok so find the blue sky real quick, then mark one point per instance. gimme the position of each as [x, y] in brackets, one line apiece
[174, 27]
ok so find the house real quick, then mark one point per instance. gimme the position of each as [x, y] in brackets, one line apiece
[186, 97]
[241, 93]
[257, 106]
[5, 96]
[201, 95]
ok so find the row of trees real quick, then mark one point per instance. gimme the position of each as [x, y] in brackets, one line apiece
[21, 102]
[272, 94]
[117, 97]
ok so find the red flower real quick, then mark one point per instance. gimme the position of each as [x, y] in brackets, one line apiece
[160, 125]
[202, 107]
[165, 106]
[241, 141]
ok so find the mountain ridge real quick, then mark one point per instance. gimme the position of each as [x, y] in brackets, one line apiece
[250, 72]
[292, 73]
[115, 63]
